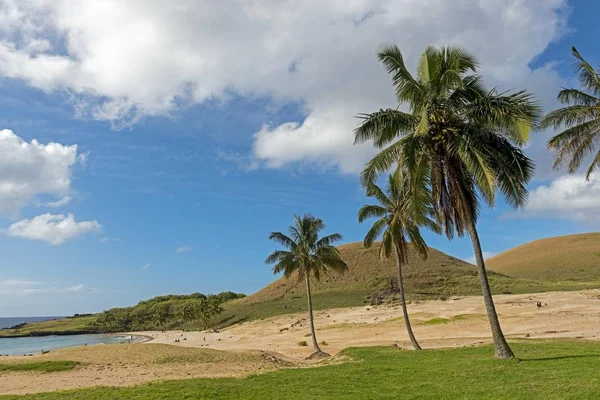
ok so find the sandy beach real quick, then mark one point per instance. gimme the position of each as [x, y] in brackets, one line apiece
[263, 345]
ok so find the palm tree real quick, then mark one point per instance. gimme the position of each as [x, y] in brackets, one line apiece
[469, 137]
[308, 255]
[581, 118]
[404, 207]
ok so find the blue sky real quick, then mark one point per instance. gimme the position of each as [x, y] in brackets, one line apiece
[195, 139]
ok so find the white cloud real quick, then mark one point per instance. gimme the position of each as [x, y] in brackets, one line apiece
[105, 239]
[124, 59]
[146, 266]
[486, 255]
[568, 197]
[10, 283]
[29, 287]
[52, 228]
[50, 290]
[31, 169]
[54, 204]
[183, 249]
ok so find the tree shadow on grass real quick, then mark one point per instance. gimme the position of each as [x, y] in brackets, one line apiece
[231, 321]
[559, 358]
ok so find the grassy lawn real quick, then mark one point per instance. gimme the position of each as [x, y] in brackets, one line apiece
[548, 370]
[44, 366]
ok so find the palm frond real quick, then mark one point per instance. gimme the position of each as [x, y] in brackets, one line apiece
[514, 114]
[383, 126]
[370, 211]
[569, 116]
[588, 77]
[382, 162]
[593, 166]
[282, 239]
[329, 240]
[287, 265]
[276, 256]
[477, 162]
[574, 144]
[374, 232]
[578, 98]
[407, 88]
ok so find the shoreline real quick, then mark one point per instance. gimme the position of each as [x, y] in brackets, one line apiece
[135, 338]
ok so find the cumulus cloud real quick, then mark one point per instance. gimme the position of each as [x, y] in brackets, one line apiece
[52, 228]
[124, 59]
[568, 197]
[486, 255]
[183, 249]
[31, 169]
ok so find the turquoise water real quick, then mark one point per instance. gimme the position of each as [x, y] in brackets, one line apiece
[32, 345]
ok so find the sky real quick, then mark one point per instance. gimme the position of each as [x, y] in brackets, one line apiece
[149, 147]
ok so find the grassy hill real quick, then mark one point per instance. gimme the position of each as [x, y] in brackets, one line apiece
[440, 276]
[562, 258]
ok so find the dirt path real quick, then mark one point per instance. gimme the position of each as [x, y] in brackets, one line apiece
[273, 343]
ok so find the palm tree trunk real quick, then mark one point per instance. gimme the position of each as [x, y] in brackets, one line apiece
[318, 352]
[500, 344]
[411, 335]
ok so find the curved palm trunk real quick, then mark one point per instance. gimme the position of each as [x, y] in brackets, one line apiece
[501, 346]
[318, 352]
[411, 335]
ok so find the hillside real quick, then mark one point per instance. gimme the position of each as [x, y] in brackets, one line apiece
[440, 276]
[562, 258]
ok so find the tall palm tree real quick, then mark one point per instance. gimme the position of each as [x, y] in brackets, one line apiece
[403, 208]
[308, 255]
[470, 138]
[581, 118]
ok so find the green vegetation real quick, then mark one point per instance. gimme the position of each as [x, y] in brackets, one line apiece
[460, 317]
[404, 206]
[580, 118]
[548, 370]
[307, 256]
[562, 258]
[467, 139]
[162, 312]
[43, 366]
[440, 276]
[60, 326]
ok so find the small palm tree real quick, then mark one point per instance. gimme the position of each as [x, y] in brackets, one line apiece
[308, 255]
[404, 207]
[470, 138]
[581, 118]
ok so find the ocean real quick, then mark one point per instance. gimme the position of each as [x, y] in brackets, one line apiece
[37, 344]
[32, 345]
[7, 322]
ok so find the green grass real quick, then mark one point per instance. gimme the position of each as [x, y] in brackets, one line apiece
[546, 370]
[65, 325]
[43, 366]
[459, 317]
